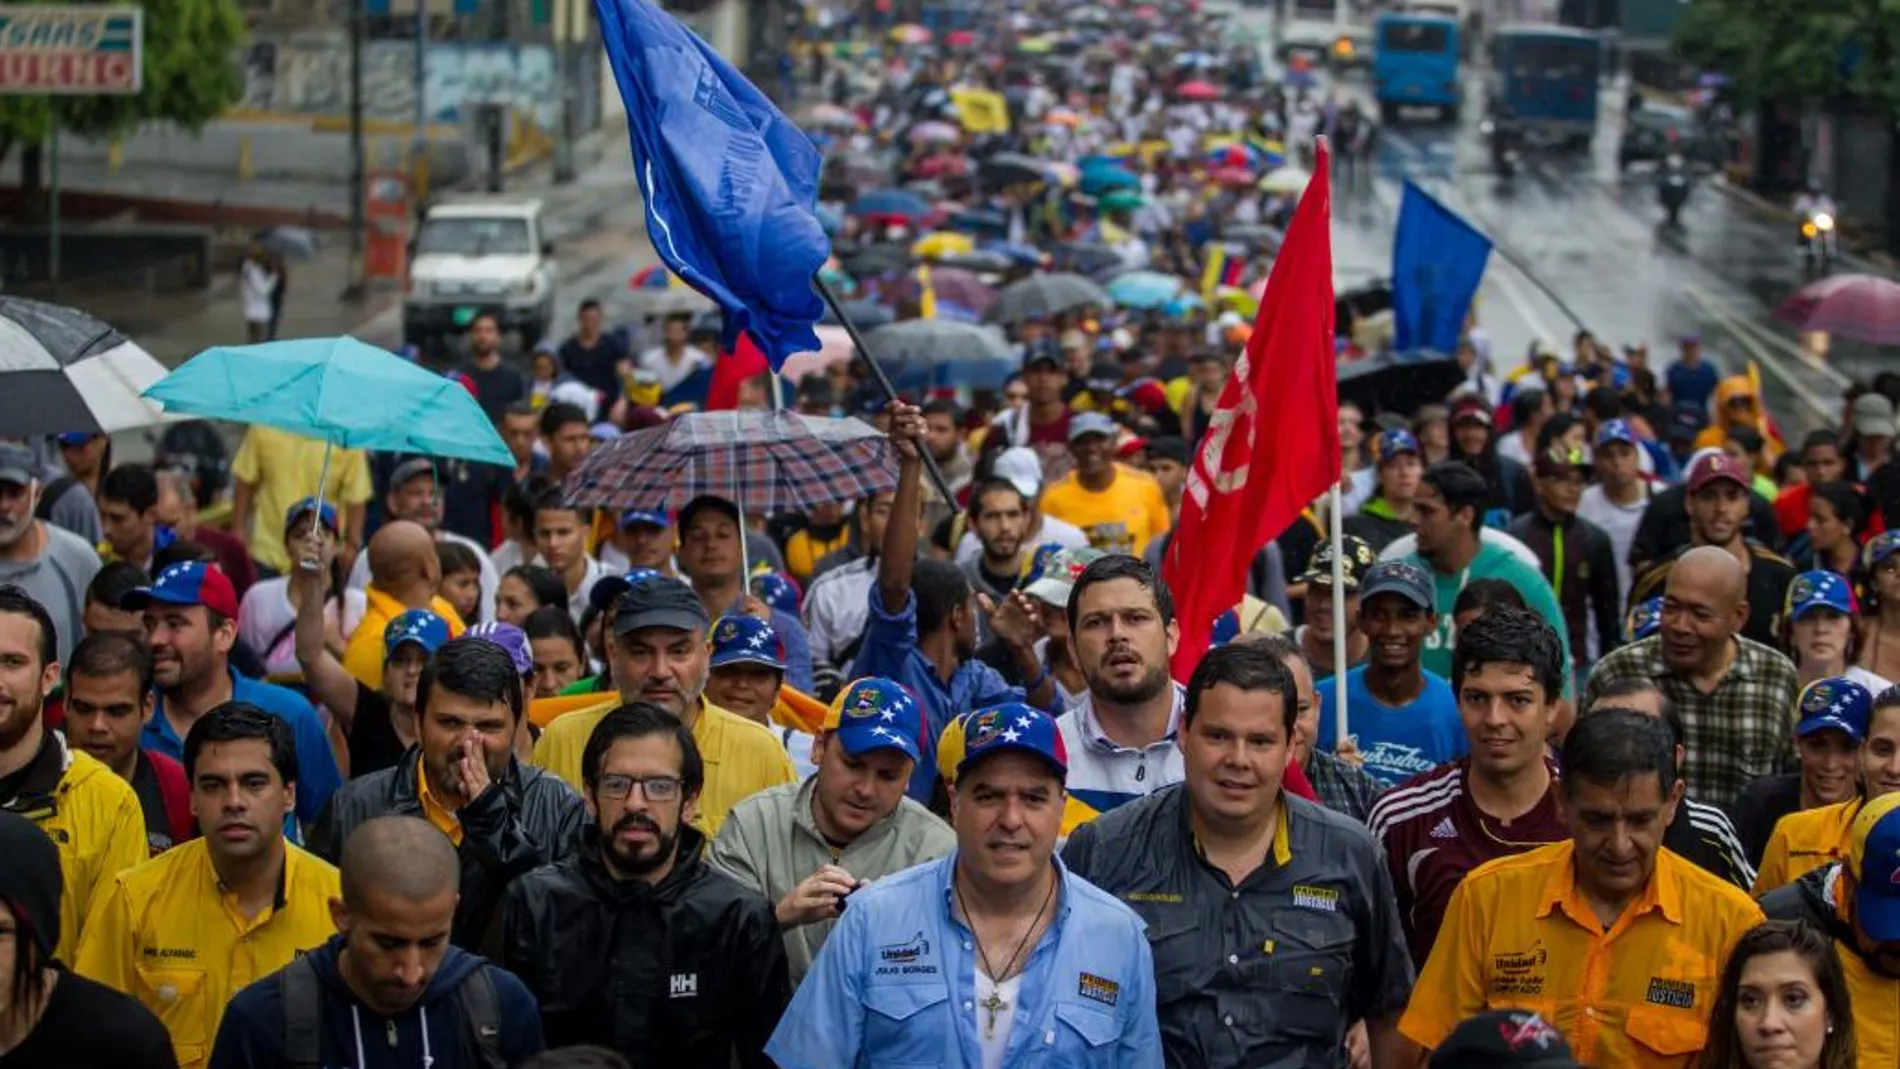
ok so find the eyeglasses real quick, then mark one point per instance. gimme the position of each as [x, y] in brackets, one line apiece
[655, 788]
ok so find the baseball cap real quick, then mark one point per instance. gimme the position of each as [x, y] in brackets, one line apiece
[1042, 351]
[1561, 457]
[651, 518]
[418, 626]
[1409, 581]
[1645, 619]
[875, 714]
[1021, 467]
[186, 583]
[744, 639]
[1226, 629]
[326, 513]
[1013, 726]
[1393, 443]
[1617, 430]
[1881, 546]
[1083, 424]
[1104, 376]
[1504, 1039]
[1714, 468]
[1836, 703]
[17, 464]
[1873, 415]
[1359, 556]
[777, 590]
[1873, 857]
[1169, 447]
[707, 501]
[512, 640]
[659, 601]
[1473, 408]
[1817, 590]
[409, 469]
[1052, 575]
[74, 439]
[608, 588]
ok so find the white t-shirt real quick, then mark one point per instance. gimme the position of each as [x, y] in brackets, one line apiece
[992, 1042]
[1620, 523]
[1874, 684]
[669, 373]
[266, 615]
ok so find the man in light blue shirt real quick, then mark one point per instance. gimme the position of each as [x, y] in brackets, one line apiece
[994, 956]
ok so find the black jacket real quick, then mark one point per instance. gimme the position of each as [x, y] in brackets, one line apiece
[687, 972]
[1584, 580]
[527, 820]
[1664, 527]
[1813, 898]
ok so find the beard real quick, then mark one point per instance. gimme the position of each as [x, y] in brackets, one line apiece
[17, 718]
[639, 861]
[1146, 688]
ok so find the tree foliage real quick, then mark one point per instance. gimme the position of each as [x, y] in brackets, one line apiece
[190, 78]
[1801, 50]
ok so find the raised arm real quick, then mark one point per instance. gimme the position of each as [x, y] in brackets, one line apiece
[323, 674]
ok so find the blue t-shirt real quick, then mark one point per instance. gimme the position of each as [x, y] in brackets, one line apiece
[1401, 742]
[1690, 387]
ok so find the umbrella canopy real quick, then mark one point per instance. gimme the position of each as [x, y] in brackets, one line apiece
[62, 370]
[869, 261]
[938, 167]
[337, 390]
[1042, 296]
[1231, 176]
[1286, 180]
[290, 242]
[1087, 257]
[934, 133]
[1012, 168]
[1252, 235]
[1862, 307]
[938, 244]
[865, 314]
[1144, 289]
[1398, 382]
[831, 116]
[765, 462]
[897, 202]
[1198, 90]
[1099, 181]
[982, 262]
[1018, 252]
[924, 354]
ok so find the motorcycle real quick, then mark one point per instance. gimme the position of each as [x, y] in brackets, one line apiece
[1817, 240]
[1673, 187]
[1505, 156]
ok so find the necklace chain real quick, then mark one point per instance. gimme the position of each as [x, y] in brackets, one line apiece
[1009, 966]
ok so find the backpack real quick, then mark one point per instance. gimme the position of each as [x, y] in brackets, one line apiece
[302, 995]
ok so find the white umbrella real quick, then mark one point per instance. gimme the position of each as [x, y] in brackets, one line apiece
[1286, 180]
[63, 371]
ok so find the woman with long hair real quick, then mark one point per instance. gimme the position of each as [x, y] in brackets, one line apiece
[1783, 1003]
[1837, 520]
[48, 1015]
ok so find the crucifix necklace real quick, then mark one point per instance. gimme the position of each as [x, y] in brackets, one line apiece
[995, 1003]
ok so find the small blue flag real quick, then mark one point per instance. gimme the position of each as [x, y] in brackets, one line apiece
[731, 184]
[1438, 260]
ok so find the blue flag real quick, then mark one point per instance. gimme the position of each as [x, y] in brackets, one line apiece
[731, 184]
[1437, 262]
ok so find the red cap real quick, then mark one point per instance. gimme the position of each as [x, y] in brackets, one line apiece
[1715, 467]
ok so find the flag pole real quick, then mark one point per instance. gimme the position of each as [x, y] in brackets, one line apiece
[883, 381]
[1337, 509]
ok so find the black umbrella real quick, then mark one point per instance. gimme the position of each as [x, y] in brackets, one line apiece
[1042, 296]
[981, 262]
[866, 315]
[869, 261]
[1011, 168]
[1087, 258]
[1399, 382]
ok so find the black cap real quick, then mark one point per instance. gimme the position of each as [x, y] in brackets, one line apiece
[30, 879]
[703, 502]
[659, 601]
[1169, 447]
[409, 469]
[1042, 351]
[1508, 1039]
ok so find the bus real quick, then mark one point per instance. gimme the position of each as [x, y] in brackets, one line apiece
[1544, 82]
[1416, 64]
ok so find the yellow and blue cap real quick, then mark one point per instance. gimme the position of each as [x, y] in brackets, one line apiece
[874, 713]
[1873, 857]
[1835, 703]
[1818, 590]
[1011, 726]
[418, 626]
[739, 638]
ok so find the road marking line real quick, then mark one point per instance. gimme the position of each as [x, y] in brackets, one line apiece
[1738, 330]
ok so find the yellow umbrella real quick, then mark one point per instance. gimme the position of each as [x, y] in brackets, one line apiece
[937, 245]
[1239, 300]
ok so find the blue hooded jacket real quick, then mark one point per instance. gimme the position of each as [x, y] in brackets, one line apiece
[252, 1033]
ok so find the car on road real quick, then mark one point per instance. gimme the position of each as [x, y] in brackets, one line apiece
[480, 255]
[1655, 131]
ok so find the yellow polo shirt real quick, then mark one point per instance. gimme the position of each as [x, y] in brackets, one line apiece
[445, 819]
[1519, 935]
[1804, 841]
[742, 757]
[363, 657]
[1120, 519]
[170, 936]
[284, 467]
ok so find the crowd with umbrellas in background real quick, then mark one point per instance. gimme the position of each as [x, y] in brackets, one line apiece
[1066, 629]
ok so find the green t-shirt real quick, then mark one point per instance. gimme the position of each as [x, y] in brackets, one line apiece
[1492, 562]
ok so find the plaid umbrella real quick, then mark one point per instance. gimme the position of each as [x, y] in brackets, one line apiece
[765, 462]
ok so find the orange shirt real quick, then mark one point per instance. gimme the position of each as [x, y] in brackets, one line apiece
[1803, 841]
[1520, 935]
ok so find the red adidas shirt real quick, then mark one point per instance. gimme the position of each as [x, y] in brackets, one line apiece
[1434, 833]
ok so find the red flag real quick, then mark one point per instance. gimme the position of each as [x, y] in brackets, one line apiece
[730, 369]
[1273, 443]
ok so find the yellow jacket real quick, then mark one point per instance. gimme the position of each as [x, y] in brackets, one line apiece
[1804, 841]
[741, 757]
[94, 818]
[169, 936]
[364, 656]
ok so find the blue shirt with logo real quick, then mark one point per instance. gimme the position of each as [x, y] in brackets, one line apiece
[1401, 742]
[895, 985]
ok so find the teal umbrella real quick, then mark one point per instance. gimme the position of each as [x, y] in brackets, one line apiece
[338, 390]
[1144, 289]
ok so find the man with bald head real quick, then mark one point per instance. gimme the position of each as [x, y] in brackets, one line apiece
[1733, 694]
[403, 574]
[388, 989]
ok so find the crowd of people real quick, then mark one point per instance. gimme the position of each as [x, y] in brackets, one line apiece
[437, 767]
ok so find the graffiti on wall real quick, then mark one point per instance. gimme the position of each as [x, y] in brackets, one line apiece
[310, 75]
